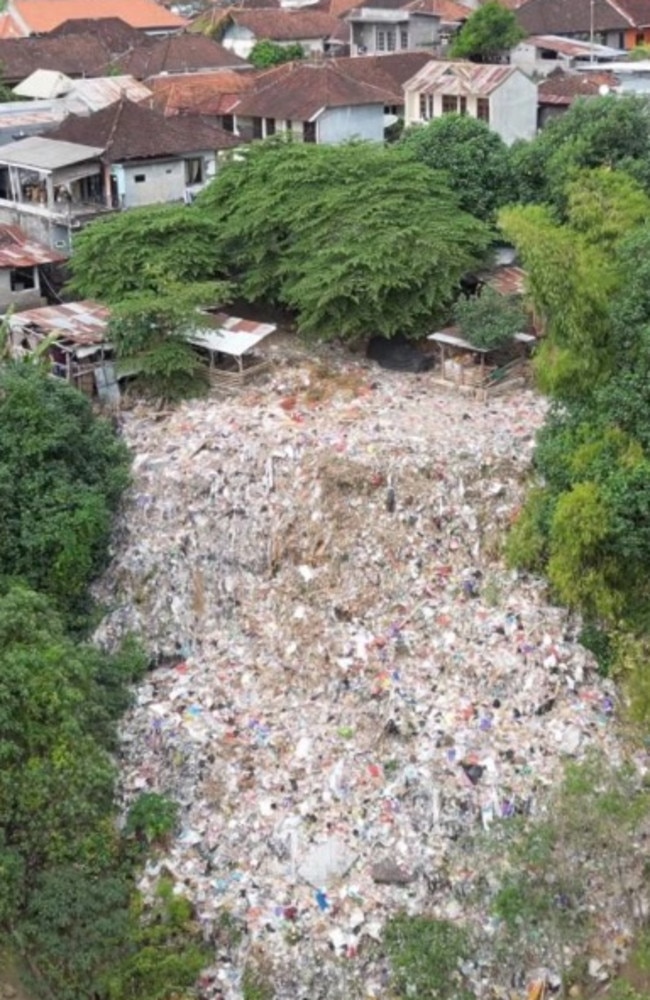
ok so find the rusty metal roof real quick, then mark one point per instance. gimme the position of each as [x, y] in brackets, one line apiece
[509, 280]
[17, 249]
[229, 334]
[572, 47]
[459, 78]
[79, 323]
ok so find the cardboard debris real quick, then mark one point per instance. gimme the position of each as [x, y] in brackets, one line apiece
[338, 681]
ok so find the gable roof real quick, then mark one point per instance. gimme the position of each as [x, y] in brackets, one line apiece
[565, 17]
[44, 84]
[459, 78]
[19, 58]
[205, 94]
[176, 54]
[41, 16]
[390, 71]
[563, 87]
[300, 90]
[128, 131]
[114, 34]
[17, 249]
[281, 25]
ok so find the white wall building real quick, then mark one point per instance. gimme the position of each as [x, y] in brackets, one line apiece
[502, 96]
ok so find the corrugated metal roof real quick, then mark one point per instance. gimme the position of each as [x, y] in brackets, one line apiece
[459, 78]
[79, 323]
[44, 84]
[41, 153]
[95, 93]
[229, 334]
[508, 280]
[572, 47]
[17, 249]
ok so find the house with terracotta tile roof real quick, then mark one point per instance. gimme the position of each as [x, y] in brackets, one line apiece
[622, 24]
[500, 95]
[38, 17]
[211, 95]
[123, 156]
[384, 26]
[557, 92]
[182, 53]
[314, 100]
[20, 57]
[239, 30]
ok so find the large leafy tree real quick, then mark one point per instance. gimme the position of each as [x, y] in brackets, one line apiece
[139, 251]
[586, 522]
[154, 266]
[611, 131]
[488, 33]
[62, 471]
[475, 159]
[355, 239]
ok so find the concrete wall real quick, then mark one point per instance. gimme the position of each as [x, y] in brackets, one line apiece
[513, 109]
[241, 40]
[340, 124]
[422, 32]
[39, 227]
[151, 183]
[31, 298]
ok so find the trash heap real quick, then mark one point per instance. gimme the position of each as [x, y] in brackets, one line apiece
[348, 678]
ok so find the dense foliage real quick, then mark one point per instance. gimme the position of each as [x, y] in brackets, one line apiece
[140, 251]
[154, 267]
[586, 521]
[67, 896]
[490, 320]
[355, 239]
[266, 54]
[62, 472]
[612, 132]
[475, 159]
[487, 34]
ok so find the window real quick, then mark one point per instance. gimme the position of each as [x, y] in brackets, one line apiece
[228, 123]
[449, 104]
[423, 106]
[257, 128]
[404, 39]
[386, 40]
[140, 178]
[309, 131]
[483, 109]
[194, 170]
[288, 125]
[462, 107]
[22, 278]
[269, 124]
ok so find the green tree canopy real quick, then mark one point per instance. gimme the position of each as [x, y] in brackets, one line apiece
[586, 523]
[141, 251]
[609, 131]
[475, 159]
[356, 239]
[489, 320]
[265, 53]
[62, 471]
[488, 33]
